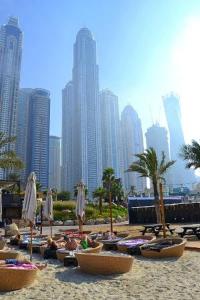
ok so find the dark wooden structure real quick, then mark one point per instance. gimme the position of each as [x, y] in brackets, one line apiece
[174, 213]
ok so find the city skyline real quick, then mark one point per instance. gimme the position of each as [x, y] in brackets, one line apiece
[140, 75]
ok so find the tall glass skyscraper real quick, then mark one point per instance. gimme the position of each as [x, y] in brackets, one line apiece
[10, 65]
[38, 140]
[173, 115]
[22, 130]
[132, 143]
[67, 178]
[157, 138]
[110, 131]
[54, 162]
[86, 131]
[33, 132]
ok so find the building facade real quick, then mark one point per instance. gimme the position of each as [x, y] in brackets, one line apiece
[132, 143]
[22, 129]
[67, 178]
[10, 65]
[173, 116]
[110, 131]
[85, 116]
[33, 131]
[157, 138]
[54, 162]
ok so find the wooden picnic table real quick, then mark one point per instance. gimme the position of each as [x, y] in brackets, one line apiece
[190, 230]
[156, 228]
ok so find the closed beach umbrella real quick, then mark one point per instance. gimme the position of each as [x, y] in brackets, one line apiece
[30, 204]
[0, 205]
[80, 204]
[48, 208]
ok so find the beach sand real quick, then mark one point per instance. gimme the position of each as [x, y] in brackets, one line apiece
[166, 279]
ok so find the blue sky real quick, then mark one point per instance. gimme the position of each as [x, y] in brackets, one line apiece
[145, 49]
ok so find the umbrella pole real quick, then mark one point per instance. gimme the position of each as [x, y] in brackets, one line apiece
[162, 210]
[31, 244]
[51, 229]
[41, 217]
[111, 219]
[80, 224]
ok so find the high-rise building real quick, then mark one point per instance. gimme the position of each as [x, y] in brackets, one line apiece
[22, 129]
[86, 131]
[157, 138]
[38, 140]
[132, 143]
[67, 178]
[110, 131]
[173, 115]
[54, 162]
[33, 131]
[10, 65]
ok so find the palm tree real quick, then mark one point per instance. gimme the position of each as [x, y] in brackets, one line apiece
[149, 166]
[100, 193]
[108, 181]
[191, 153]
[8, 158]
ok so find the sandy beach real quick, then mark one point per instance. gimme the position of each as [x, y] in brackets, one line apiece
[166, 279]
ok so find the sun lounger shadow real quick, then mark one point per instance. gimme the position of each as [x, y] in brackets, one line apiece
[74, 275]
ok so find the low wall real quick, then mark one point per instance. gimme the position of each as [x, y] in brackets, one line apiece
[174, 213]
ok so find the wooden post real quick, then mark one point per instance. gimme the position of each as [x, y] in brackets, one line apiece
[162, 209]
[31, 243]
[110, 205]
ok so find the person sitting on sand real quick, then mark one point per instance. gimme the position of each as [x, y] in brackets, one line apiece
[71, 244]
[17, 262]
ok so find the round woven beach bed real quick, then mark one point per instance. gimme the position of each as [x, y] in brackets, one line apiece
[61, 253]
[161, 248]
[105, 264]
[2, 244]
[15, 279]
[10, 254]
[133, 241]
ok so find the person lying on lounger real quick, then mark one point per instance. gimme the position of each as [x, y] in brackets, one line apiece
[17, 262]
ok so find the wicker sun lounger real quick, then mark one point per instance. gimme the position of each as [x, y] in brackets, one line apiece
[105, 264]
[15, 279]
[10, 254]
[168, 247]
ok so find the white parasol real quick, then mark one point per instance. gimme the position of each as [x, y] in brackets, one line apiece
[30, 204]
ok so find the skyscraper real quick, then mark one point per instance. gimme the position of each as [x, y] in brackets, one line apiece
[22, 129]
[132, 143]
[67, 178]
[173, 116]
[10, 65]
[86, 131]
[110, 131]
[54, 162]
[157, 138]
[33, 131]
[38, 140]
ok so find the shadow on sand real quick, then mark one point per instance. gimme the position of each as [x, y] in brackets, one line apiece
[74, 275]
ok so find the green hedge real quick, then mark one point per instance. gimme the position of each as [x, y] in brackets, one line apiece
[66, 211]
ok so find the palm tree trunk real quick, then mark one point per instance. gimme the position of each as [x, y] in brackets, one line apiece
[111, 219]
[157, 204]
[100, 205]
